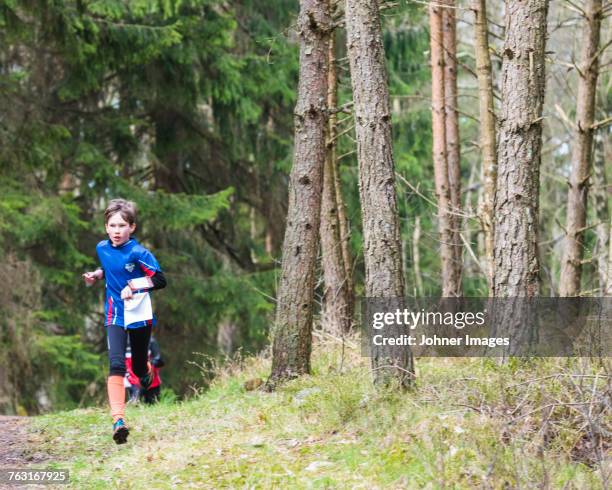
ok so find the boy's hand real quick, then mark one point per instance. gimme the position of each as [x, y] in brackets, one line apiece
[91, 277]
[126, 293]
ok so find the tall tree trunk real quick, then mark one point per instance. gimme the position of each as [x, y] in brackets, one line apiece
[382, 246]
[519, 150]
[600, 204]
[472, 267]
[343, 220]
[445, 225]
[336, 314]
[571, 267]
[416, 256]
[608, 291]
[453, 148]
[345, 236]
[487, 131]
[293, 324]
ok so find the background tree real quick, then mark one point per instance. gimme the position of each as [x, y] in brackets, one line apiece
[487, 131]
[336, 314]
[601, 154]
[453, 143]
[382, 244]
[446, 222]
[293, 325]
[519, 150]
[588, 71]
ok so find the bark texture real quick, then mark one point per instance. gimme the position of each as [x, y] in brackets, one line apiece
[382, 246]
[416, 256]
[293, 323]
[441, 174]
[608, 291]
[345, 236]
[519, 150]
[336, 314]
[453, 148]
[602, 213]
[571, 264]
[487, 132]
[603, 153]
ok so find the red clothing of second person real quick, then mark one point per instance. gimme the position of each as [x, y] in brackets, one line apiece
[133, 379]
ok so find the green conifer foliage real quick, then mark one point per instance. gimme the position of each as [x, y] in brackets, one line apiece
[161, 102]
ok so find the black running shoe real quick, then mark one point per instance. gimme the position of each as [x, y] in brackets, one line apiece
[120, 432]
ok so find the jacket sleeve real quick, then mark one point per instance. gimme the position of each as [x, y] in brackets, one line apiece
[159, 280]
[149, 265]
[147, 262]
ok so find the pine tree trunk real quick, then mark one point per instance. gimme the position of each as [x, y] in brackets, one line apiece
[382, 245]
[453, 148]
[487, 132]
[519, 148]
[345, 236]
[600, 204]
[445, 225]
[336, 314]
[416, 256]
[343, 221]
[571, 267]
[293, 324]
[608, 291]
[472, 267]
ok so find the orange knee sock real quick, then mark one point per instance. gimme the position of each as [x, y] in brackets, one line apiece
[116, 397]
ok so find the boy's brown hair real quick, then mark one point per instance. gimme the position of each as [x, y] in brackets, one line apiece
[127, 209]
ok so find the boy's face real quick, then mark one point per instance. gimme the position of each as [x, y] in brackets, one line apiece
[119, 230]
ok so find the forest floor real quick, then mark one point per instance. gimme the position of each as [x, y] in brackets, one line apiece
[469, 423]
[17, 445]
[13, 438]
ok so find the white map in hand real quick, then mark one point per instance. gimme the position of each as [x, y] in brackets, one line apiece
[138, 309]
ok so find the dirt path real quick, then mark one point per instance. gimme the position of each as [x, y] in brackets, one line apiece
[17, 445]
[16, 449]
[13, 436]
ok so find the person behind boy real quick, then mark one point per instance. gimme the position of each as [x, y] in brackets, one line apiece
[130, 381]
[131, 272]
[150, 395]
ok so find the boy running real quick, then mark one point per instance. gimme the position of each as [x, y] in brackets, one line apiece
[131, 271]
